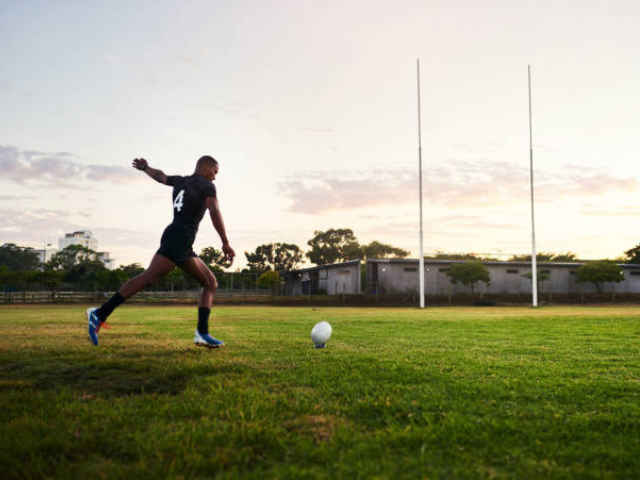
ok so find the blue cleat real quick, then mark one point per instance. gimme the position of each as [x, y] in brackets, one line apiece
[206, 341]
[94, 325]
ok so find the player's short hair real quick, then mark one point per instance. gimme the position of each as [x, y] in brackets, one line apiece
[206, 160]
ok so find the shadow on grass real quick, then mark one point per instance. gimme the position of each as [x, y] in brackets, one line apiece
[106, 378]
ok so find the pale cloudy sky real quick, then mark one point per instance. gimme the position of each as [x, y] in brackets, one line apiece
[310, 108]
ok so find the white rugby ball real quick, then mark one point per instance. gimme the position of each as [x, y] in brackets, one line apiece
[320, 334]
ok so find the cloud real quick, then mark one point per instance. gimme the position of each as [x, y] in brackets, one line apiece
[320, 192]
[36, 227]
[587, 182]
[458, 184]
[119, 237]
[57, 168]
[8, 198]
[441, 227]
[110, 173]
[621, 212]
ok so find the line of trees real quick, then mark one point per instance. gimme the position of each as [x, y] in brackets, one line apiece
[335, 245]
[341, 245]
[631, 256]
[78, 268]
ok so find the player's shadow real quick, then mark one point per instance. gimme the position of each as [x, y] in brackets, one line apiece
[104, 378]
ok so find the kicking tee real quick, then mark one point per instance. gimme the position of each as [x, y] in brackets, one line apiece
[189, 204]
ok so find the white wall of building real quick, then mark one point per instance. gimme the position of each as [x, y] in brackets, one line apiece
[335, 279]
[81, 237]
[401, 277]
[46, 253]
[86, 239]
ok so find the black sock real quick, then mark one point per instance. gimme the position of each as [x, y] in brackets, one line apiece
[203, 320]
[109, 306]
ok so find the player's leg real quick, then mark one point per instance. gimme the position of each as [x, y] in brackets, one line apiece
[197, 269]
[201, 273]
[158, 268]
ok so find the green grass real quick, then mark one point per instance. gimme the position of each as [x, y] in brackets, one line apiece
[445, 392]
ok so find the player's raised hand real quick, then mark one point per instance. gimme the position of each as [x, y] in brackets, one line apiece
[140, 163]
[229, 254]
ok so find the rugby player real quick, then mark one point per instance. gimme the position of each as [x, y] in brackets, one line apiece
[192, 196]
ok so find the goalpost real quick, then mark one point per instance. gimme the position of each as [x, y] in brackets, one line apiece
[421, 258]
[534, 272]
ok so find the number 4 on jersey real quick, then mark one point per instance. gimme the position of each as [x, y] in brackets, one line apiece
[179, 201]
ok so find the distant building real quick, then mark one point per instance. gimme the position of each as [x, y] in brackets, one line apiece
[46, 253]
[105, 257]
[400, 276]
[334, 279]
[81, 237]
[86, 239]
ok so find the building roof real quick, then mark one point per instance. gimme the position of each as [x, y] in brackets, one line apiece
[331, 265]
[490, 262]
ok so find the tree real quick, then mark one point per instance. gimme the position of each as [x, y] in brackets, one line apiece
[177, 279]
[132, 270]
[633, 255]
[213, 258]
[3, 275]
[279, 257]
[546, 257]
[453, 256]
[111, 279]
[599, 273]
[540, 276]
[84, 273]
[565, 257]
[381, 250]
[49, 278]
[78, 264]
[72, 255]
[332, 246]
[19, 259]
[269, 279]
[10, 279]
[469, 274]
[260, 259]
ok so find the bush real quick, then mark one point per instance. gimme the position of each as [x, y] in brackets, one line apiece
[599, 273]
[469, 274]
[269, 279]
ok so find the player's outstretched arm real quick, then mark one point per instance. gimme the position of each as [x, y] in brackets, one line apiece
[157, 175]
[218, 224]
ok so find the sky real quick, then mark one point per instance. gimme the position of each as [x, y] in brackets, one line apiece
[311, 110]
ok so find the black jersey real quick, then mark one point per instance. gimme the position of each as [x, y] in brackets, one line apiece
[189, 203]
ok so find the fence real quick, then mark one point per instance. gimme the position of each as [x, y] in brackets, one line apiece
[26, 297]
[263, 296]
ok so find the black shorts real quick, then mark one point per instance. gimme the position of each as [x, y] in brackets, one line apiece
[176, 247]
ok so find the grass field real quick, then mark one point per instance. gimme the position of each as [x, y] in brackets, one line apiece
[450, 392]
